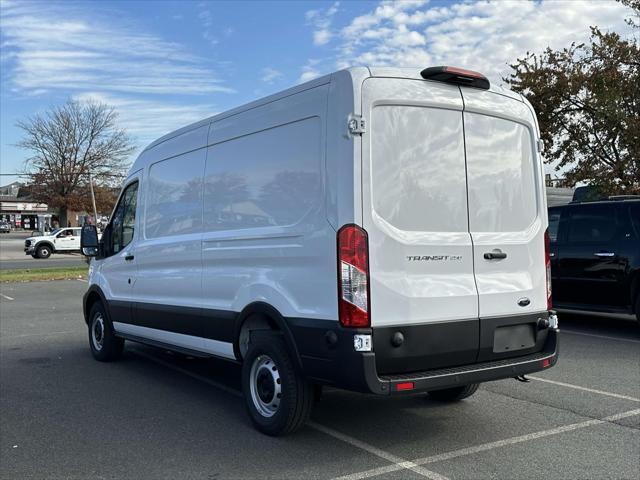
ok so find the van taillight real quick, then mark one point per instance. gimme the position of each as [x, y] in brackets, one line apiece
[547, 263]
[353, 277]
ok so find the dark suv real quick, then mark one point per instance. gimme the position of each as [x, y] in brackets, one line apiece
[595, 256]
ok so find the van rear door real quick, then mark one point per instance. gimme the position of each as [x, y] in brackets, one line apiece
[414, 199]
[507, 219]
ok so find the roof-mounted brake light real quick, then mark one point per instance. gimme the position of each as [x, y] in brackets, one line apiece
[459, 76]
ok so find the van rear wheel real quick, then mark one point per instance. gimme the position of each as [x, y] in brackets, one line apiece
[454, 394]
[278, 399]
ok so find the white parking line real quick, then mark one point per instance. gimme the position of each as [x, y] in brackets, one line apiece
[607, 337]
[398, 463]
[81, 280]
[6, 296]
[492, 445]
[591, 390]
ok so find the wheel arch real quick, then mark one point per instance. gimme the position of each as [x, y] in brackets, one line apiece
[93, 295]
[265, 317]
[45, 243]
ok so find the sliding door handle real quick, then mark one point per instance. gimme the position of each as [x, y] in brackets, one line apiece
[128, 257]
[495, 255]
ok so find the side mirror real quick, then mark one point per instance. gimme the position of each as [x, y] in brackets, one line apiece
[89, 241]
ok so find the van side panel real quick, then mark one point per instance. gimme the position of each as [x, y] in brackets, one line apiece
[168, 291]
[267, 238]
[343, 157]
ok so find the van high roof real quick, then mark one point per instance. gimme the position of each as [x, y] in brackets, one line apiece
[358, 74]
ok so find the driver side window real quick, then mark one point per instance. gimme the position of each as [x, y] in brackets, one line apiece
[124, 219]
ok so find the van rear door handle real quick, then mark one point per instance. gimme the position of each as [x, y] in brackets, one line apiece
[605, 254]
[128, 257]
[497, 255]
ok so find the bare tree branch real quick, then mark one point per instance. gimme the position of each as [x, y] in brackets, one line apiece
[66, 143]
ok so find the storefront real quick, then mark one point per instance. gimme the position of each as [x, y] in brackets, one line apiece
[22, 212]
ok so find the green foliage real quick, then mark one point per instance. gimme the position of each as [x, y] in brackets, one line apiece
[587, 98]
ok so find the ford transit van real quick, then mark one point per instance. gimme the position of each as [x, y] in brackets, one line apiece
[380, 230]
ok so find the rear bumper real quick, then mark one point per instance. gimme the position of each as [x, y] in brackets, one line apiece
[338, 364]
[476, 373]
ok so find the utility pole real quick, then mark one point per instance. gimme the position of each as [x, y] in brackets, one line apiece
[93, 201]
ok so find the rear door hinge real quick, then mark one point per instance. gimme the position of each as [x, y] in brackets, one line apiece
[356, 124]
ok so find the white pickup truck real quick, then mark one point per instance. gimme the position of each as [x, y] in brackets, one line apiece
[61, 240]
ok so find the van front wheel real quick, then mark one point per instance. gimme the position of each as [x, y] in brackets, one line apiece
[454, 394]
[105, 346]
[277, 397]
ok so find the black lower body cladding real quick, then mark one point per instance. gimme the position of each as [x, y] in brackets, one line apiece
[432, 356]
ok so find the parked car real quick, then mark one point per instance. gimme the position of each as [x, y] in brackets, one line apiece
[595, 256]
[350, 232]
[61, 240]
[5, 227]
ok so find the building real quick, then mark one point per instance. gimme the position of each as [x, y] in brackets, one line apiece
[557, 192]
[21, 211]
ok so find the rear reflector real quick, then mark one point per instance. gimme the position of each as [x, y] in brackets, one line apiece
[546, 363]
[400, 387]
[457, 76]
[353, 277]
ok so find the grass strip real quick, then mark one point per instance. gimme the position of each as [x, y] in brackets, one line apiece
[40, 274]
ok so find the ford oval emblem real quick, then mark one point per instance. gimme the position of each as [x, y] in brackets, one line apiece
[523, 302]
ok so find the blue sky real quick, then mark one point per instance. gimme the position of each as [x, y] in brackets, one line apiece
[164, 64]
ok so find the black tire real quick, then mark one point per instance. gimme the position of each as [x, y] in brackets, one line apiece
[43, 251]
[105, 346]
[34, 255]
[454, 394]
[280, 400]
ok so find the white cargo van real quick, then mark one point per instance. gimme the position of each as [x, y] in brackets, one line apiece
[377, 229]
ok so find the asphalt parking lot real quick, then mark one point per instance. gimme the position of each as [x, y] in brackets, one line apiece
[157, 415]
[12, 255]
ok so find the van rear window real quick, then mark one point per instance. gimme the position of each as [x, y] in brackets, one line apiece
[501, 168]
[417, 168]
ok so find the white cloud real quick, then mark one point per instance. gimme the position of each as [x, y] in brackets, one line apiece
[155, 86]
[486, 35]
[321, 21]
[147, 119]
[310, 71]
[269, 75]
[49, 48]
[320, 37]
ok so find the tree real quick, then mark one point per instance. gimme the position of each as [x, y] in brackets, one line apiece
[587, 99]
[69, 142]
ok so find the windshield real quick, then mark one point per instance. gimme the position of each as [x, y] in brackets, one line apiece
[55, 232]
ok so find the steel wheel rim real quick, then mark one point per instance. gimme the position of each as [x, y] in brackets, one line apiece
[44, 252]
[265, 386]
[97, 332]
